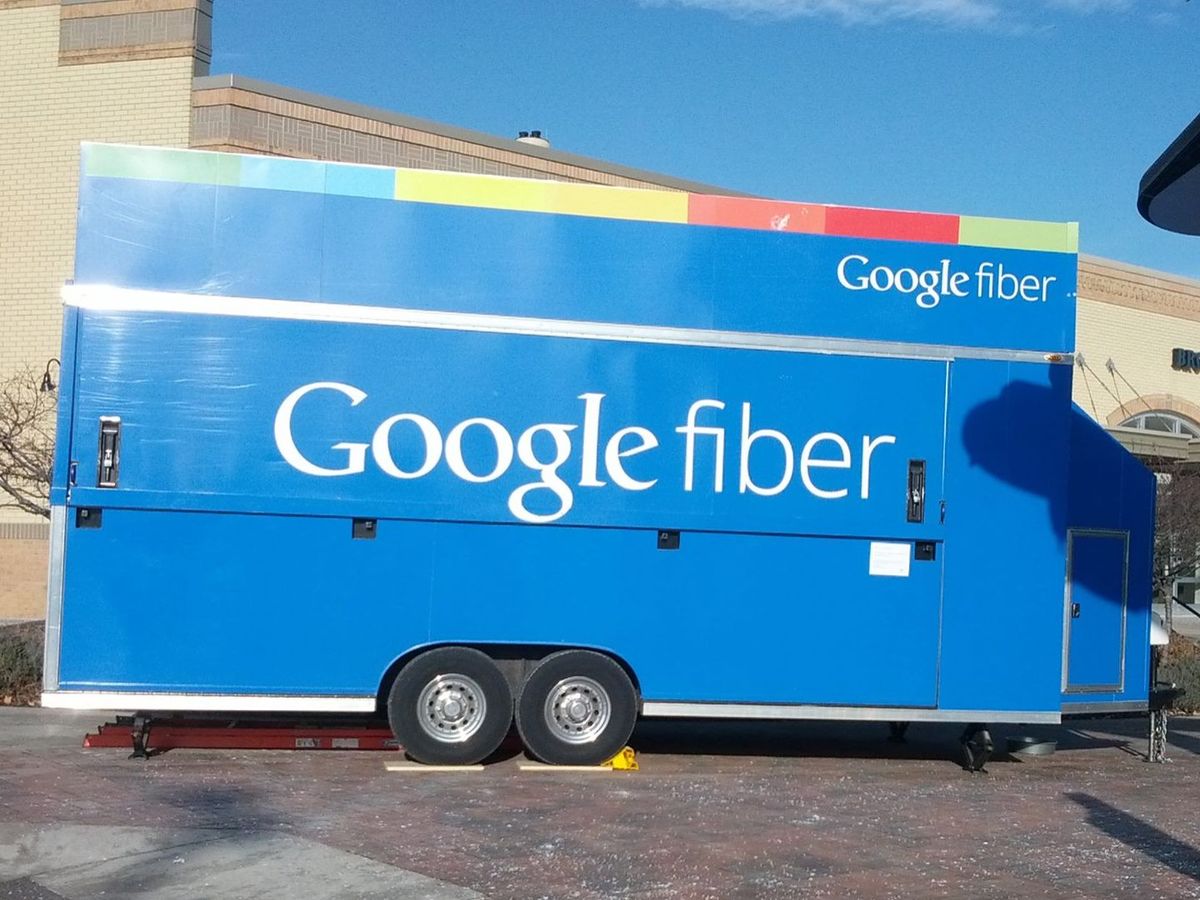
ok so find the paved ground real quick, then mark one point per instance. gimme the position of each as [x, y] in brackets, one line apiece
[717, 811]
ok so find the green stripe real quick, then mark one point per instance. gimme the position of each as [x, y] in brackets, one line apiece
[157, 164]
[1015, 234]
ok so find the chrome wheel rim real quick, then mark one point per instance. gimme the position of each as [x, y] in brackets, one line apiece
[451, 708]
[577, 710]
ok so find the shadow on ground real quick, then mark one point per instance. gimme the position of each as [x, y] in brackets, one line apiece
[870, 740]
[1139, 835]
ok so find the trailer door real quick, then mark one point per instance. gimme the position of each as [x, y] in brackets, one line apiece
[1097, 588]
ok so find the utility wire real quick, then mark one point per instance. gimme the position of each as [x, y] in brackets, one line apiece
[1117, 372]
[1100, 381]
[1087, 387]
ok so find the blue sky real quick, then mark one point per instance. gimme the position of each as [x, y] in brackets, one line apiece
[1041, 109]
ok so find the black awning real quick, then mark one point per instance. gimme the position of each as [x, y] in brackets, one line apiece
[1169, 195]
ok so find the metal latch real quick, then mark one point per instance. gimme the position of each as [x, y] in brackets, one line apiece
[916, 490]
[110, 452]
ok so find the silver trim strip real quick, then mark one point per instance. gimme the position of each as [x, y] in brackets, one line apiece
[54, 597]
[104, 297]
[146, 702]
[843, 713]
[1077, 709]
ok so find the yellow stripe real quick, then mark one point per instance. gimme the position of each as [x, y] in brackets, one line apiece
[529, 195]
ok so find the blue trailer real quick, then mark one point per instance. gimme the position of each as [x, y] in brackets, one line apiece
[474, 450]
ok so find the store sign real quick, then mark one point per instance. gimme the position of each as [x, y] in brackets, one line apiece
[1185, 360]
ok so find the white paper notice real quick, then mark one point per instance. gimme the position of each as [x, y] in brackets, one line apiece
[890, 559]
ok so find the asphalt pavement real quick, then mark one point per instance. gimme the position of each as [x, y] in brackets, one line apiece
[717, 810]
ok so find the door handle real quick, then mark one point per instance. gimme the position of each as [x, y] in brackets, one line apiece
[1074, 610]
[109, 453]
[916, 490]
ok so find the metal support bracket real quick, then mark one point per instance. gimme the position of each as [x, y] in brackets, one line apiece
[1163, 695]
[1156, 752]
[141, 737]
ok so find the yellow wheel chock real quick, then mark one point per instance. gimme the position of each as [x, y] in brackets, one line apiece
[626, 759]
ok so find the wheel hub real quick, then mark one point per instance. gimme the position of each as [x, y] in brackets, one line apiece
[578, 710]
[451, 708]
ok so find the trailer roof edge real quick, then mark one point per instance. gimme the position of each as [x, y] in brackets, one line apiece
[527, 195]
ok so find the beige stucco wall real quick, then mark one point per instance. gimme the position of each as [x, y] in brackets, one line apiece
[23, 563]
[1135, 318]
[1139, 344]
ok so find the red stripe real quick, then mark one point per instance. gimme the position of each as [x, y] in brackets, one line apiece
[890, 225]
[762, 215]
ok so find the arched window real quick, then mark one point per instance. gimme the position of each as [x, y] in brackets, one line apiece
[1163, 422]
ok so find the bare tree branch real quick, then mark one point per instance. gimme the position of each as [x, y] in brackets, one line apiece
[1177, 525]
[26, 443]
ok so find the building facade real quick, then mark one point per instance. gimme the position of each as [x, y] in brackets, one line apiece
[1131, 324]
[136, 71]
[115, 71]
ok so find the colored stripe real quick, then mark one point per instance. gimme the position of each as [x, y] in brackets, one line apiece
[159, 164]
[529, 195]
[764, 215]
[1016, 234]
[564, 198]
[283, 174]
[891, 225]
[360, 181]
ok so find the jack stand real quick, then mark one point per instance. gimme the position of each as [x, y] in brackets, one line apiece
[1162, 700]
[977, 748]
[1156, 752]
[897, 731]
[141, 734]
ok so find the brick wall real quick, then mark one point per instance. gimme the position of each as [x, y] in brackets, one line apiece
[46, 110]
[242, 115]
[239, 129]
[102, 30]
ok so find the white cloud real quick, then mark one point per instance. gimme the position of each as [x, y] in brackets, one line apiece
[965, 12]
[949, 12]
[1091, 6]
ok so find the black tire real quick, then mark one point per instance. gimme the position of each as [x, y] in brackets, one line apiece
[589, 681]
[422, 702]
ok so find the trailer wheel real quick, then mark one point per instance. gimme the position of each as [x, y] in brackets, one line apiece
[450, 706]
[576, 708]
